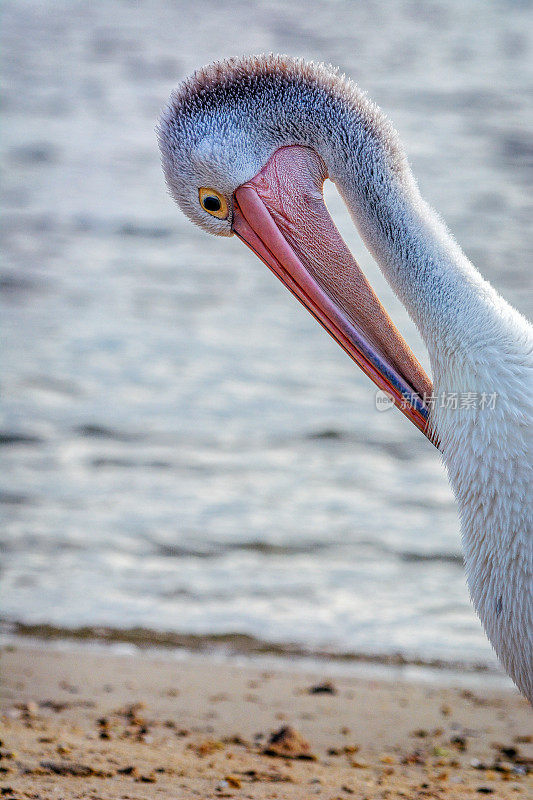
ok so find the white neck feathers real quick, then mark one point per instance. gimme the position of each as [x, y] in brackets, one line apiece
[480, 349]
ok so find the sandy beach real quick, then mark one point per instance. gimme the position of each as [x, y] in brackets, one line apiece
[84, 724]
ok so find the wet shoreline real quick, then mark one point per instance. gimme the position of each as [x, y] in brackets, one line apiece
[231, 644]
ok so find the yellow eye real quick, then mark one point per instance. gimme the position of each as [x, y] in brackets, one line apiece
[213, 202]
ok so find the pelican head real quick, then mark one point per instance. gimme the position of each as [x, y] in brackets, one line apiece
[246, 146]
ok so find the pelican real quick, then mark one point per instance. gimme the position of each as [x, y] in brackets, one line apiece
[246, 146]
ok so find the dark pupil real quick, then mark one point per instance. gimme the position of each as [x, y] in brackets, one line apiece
[211, 203]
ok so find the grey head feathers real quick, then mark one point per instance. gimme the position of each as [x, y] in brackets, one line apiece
[222, 124]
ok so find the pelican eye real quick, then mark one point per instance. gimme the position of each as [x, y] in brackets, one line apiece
[213, 202]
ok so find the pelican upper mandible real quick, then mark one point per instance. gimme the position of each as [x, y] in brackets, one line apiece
[246, 146]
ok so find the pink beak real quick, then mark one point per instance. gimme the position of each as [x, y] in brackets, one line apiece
[281, 215]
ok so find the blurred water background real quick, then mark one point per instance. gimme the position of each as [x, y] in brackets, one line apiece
[184, 449]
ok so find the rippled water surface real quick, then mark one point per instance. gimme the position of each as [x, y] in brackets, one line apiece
[183, 447]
